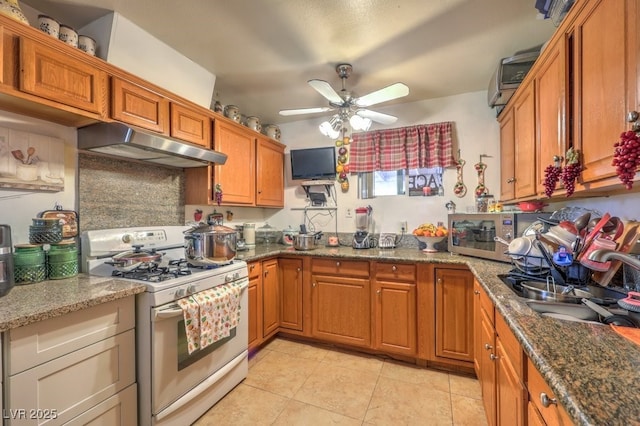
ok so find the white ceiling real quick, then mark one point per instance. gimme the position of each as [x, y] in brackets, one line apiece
[264, 51]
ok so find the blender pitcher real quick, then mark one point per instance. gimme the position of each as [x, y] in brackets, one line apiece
[361, 238]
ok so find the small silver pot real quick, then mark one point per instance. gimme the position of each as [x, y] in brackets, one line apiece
[306, 241]
[210, 245]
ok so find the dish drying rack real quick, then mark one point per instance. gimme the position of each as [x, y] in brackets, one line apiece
[536, 268]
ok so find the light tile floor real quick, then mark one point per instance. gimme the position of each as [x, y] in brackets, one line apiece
[294, 383]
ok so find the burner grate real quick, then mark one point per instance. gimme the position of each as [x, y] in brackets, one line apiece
[155, 273]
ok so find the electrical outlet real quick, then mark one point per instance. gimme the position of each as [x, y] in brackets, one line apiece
[348, 214]
[403, 226]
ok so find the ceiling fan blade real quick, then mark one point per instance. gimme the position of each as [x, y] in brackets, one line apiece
[394, 91]
[378, 117]
[326, 90]
[304, 111]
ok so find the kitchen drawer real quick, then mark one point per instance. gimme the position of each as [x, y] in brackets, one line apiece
[354, 268]
[255, 269]
[74, 383]
[487, 305]
[511, 346]
[395, 271]
[43, 341]
[553, 414]
[120, 409]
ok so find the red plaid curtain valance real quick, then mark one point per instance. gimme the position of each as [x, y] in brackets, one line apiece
[413, 147]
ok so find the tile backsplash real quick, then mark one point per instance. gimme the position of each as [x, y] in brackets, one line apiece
[116, 193]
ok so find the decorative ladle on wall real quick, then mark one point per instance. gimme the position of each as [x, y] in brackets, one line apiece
[480, 167]
[459, 189]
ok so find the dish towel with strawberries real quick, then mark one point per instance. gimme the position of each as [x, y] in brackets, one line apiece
[191, 314]
[219, 312]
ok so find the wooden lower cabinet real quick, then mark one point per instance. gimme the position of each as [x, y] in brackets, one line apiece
[454, 314]
[290, 293]
[501, 363]
[394, 308]
[341, 302]
[543, 406]
[270, 297]
[255, 304]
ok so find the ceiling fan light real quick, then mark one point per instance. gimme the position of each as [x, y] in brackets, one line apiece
[356, 122]
[325, 128]
[366, 124]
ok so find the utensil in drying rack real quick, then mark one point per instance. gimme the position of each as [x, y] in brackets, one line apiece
[557, 275]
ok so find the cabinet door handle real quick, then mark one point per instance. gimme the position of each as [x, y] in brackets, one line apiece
[476, 292]
[439, 281]
[546, 401]
[378, 292]
[511, 180]
[493, 357]
[298, 269]
[488, 346]
[313, 284]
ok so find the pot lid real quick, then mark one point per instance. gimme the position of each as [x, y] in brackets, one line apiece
[204, 228]
[139, 255]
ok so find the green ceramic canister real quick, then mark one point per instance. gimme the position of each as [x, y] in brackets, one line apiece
[29, 263]
[62, 260]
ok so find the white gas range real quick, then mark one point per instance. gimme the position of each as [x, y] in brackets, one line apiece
[175, 387]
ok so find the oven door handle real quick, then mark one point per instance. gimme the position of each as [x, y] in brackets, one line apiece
[163, 313]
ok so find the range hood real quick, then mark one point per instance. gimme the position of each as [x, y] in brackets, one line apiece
[131, 142]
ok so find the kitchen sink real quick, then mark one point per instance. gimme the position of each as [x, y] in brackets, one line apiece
[564, 307]
[544, 291]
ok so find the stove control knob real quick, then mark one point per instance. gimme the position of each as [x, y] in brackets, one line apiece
[228, 278]
[236, 275]
[192, 289]
[180, 293]
[127, 238]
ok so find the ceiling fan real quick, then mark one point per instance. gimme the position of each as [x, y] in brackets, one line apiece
[350, 107]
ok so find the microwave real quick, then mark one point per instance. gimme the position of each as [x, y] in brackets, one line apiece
[473, 234]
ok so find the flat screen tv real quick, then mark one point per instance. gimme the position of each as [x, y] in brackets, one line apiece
[313, 163]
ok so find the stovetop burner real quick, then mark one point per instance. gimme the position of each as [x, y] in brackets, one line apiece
[152, 272]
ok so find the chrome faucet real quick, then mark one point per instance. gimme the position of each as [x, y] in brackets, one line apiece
[602, 255]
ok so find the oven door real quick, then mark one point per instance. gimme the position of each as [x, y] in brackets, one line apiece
[174, 371]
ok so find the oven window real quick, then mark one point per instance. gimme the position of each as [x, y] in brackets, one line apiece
[184, 358]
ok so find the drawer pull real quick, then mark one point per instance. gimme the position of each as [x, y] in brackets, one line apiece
[338, 264]
[546, 401]
[394, 268]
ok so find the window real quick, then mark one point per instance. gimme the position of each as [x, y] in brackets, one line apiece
[379, 183]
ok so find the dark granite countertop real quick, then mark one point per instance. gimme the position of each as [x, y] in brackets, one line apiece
[29, 303]
[591, 369]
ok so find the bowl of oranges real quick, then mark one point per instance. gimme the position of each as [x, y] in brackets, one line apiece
[430, 235]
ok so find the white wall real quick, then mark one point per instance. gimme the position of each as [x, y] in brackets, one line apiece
[18, 207]
[475, 129]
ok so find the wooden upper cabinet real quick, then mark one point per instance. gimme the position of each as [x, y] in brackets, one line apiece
[551, 108]
[525, 131]
[606, 78]
[507, 155]
[54, 75]
[269, 173]
[133, 104]
[237, 175]
[190, 125]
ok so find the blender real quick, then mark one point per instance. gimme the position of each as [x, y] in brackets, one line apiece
[361, 238]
